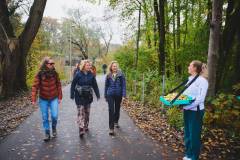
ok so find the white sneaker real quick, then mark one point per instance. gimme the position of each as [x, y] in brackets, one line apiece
[186, 158]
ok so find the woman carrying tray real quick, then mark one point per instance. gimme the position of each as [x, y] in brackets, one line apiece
[194, 112]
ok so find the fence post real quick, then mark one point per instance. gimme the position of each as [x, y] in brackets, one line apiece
[135, 84]
[143, 87]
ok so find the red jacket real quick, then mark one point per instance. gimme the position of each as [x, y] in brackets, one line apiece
[49, 87]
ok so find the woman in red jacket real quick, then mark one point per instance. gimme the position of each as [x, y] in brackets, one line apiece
[48, 84]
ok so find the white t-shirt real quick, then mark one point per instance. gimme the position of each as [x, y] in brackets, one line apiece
[198, 91]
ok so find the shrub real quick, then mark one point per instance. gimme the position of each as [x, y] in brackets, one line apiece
[175, 118]
[223, 111]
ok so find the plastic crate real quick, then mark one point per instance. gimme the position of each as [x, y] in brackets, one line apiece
[187, 101]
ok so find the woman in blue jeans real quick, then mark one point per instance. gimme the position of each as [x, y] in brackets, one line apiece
[193, 113]
[48, 84]
[115, 90]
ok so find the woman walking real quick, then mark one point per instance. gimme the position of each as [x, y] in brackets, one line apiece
[115, 90]
[81, 90]
[193, 113]
[48, 84]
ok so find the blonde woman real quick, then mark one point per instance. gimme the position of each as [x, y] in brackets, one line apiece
[115, 90]
[48, 84]
[193, 113]
[81, 90]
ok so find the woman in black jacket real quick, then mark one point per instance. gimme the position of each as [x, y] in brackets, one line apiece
[81, 90]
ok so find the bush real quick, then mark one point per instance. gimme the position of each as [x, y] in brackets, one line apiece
[224, 111]
[175, 118]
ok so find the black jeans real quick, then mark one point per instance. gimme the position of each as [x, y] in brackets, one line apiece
[114, 103]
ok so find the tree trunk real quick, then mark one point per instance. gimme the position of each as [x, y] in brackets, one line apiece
[236, 78]
[229, 40]
[178, 24]
[162, 35]
[15, 50]
[186, 22]
[26, 39]
[138, 35]
[9, 63]
[155, 30]
[161, 32]
[174, 35]
[145, 11]
[214, 41]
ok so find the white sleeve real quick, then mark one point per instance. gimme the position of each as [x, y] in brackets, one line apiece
[200, 98]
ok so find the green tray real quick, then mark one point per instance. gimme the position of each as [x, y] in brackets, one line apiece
[187, 101]
[238, 97]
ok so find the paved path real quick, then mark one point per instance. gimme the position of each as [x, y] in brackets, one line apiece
[129, 143]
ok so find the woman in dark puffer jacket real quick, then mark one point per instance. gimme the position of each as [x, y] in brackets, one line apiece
[81, 90]
[115, 90]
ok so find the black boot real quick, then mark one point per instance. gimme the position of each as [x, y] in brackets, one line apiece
[111, 132]
[47, 136]
[54, 132]
[81, 132]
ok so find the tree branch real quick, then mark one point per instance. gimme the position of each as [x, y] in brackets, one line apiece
[4, 20]
[33, 23]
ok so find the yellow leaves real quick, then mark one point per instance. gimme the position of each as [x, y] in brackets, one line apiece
[171, 96]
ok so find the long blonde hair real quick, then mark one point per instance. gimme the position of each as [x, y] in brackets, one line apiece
[110, 66]
[201, 68]
[83, 63]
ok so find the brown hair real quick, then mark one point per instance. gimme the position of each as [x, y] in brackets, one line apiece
[201, 68]
[44, 63]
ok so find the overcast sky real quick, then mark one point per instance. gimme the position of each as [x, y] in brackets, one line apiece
[58, 9]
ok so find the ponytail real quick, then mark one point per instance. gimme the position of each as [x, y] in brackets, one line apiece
[201, 68]
[204, 71]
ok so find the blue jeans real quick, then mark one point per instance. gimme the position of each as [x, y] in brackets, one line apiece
[44, 106]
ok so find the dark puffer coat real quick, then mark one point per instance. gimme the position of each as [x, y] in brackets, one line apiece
[83, 79]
